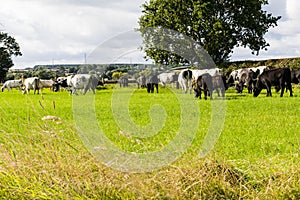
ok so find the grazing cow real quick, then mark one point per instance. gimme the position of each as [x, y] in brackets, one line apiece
[233, 77]
[31, 83]
[123, 81]
[295, 76]
[82, 81]
[211, 71]
[203, 83]
[151, 82]
[219, 84]
[280, 78]
[245, 77]
[61, 83]
[170, 77]
[12, 84]
[46, 84]
[141, 82]
[185, 80]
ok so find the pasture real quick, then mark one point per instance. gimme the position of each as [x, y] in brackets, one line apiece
[256, 156]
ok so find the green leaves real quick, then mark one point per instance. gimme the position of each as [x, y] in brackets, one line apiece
[218, 26]
[8, 48]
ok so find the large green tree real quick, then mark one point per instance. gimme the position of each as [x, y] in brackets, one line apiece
[218, 26]
[8, 48]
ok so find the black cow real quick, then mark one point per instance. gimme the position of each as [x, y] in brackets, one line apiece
[295, 76]
[203, 83]
[55, 86]
[61, 83]
[280, 78]
[151, 82]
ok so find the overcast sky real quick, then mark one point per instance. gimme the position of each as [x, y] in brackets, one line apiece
[64, 31]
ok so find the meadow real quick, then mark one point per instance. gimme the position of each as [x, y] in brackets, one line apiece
[255, 157]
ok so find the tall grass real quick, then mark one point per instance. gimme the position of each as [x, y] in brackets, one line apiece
[256, 157]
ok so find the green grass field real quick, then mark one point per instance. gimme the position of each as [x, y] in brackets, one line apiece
[256, 156]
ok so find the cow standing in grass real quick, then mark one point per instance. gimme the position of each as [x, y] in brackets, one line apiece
[31, 84]
[151, 83]
[48, 84]
[12, 84]
[185, 80]
[295, 76]
[219, 84]
[168, 77]
[203, 83]
[141, 82]
[245, 77]
[82, 81]
[280, 78]
[123, 81]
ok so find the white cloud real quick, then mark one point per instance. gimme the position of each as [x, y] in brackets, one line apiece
[48, 30]
[284, 39]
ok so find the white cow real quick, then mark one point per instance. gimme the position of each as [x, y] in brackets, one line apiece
[260, 68]
[82, 81]
[241, 78]
[46, 83]
[12, 84]
[31, 83]
[211, 71]
[235, 75]
[185, 80]
[167, 77]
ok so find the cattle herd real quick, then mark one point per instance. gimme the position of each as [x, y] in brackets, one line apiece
[190, 80]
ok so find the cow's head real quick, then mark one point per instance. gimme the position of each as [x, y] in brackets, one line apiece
[55, 86]
[257, 87]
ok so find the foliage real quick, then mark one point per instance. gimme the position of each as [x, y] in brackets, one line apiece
[117, 75]
[218, 26]
[8, 48]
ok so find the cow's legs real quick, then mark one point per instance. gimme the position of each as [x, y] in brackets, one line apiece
[210, 94]
[156, 85]
[184, 87]
[289, 87]
[85, 90]
[205, 94]
[223, 93]
[282, 87]
[152, 87]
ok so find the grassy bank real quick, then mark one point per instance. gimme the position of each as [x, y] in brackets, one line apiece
[256, 156]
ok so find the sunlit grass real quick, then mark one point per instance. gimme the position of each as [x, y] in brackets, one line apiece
[256, 156]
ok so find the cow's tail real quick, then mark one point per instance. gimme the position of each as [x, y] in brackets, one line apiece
[288, 78]
[36, 84]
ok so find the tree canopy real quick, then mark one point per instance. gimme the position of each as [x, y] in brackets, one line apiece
[8, 48]
[218, 26]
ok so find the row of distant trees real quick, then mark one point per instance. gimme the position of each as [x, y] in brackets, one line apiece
[109, 71]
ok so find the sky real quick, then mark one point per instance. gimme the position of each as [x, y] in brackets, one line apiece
[101, 31]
